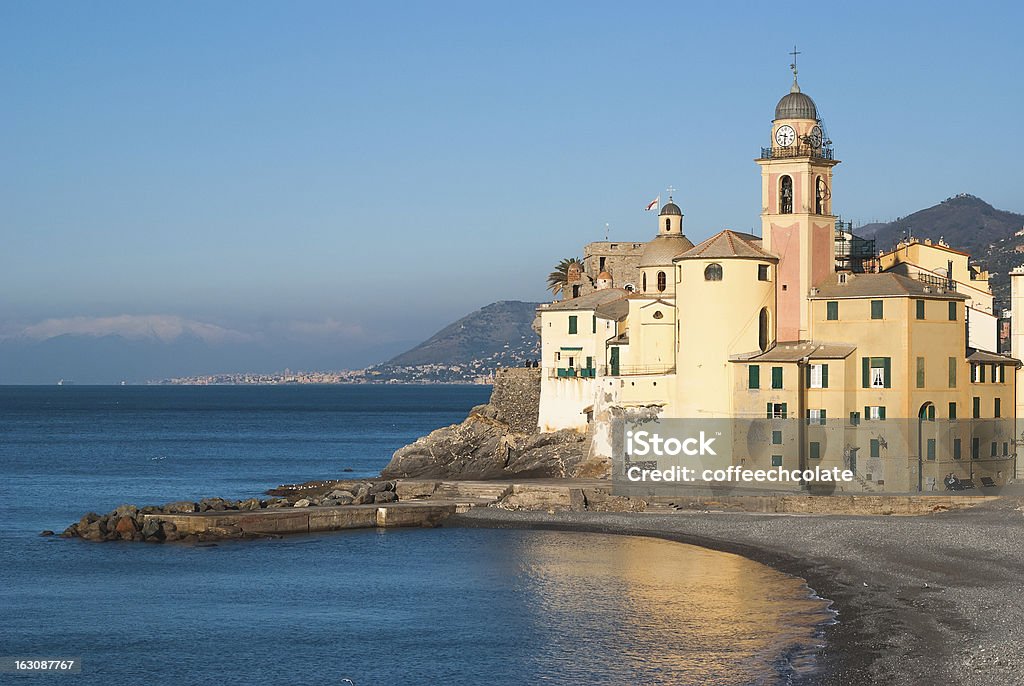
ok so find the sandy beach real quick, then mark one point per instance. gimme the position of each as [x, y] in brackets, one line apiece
[933, 599]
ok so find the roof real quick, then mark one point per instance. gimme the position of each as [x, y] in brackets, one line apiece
[671, 208]
[662, 250]
[605, 276]
[615, 310]
[796, 105]
[886, 284]
[794, 351]
[974, 355]
[726, 244]
[590, 301]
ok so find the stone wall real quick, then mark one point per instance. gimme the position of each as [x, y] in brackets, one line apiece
[516, 397]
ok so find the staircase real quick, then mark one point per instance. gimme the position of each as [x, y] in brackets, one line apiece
[487, 491]
[865, 485]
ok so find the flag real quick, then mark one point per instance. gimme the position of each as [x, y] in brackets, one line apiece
[653, 205]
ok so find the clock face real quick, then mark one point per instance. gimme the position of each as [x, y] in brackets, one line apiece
[785, 136]
[816, 137]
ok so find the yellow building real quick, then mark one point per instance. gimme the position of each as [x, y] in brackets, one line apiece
[884, 367]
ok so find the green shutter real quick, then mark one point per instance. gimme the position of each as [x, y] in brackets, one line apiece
[952, 311]
[815, 450]
[956, 448]
[785, 411]
[769, 411]
[998, 408]
[952, 372]
[982, 373]
[920, 372]
[977, 407]
[1002, 373]
[823, 417]
[754, 376]
[876, 309]
[807, 376]
[867, 413]
[866, 369]
[595, 324]
[832, 310]
[920, 309]
[776, 460]
[887, 366]
[952, 410]
[572, 323]
[881, 412]
[824, 376]
[874, 447]
[776, 377]
[931, 449]
[776, 438]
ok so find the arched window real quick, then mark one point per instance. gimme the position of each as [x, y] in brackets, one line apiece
[662, 281]
[786, 195]
[643, 284]
[762, 329]
[668, 224]
[819, 196]
[713, 272]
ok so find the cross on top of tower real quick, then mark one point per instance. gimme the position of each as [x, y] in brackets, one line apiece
[670, 190]
[792, 65]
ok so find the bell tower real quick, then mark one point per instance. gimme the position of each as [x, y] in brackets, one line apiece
[797, 223]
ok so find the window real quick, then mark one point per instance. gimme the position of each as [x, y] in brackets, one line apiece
[855, 419]
[819, 196]
[593, 324]
[713, 272]
[600, 264]
[875, 448]
[1006, 449]
[643, 283]
[815, 450]
[952, 372]
[776, 460]
[975, 448]
[776, 377]
[920, 372]
[956, 449]
[817, 376]
[816, 417]
[668, 224]
[786, 195]
[977, 407]
[776, 438]
[995, 449]
[876, 309]
[874, 412]
[777, 411]
[754, 377]
[762, 272]
[662, 281]
[920, 309]
[930, 449]
[762, 329]
[997, 410]
[832, 310]
[1002, 373]
[952, 311]
[952, 410]
[572, 323]
[876, 372]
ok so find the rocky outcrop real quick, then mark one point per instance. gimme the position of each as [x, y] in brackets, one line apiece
[131, 523]
[485, 446]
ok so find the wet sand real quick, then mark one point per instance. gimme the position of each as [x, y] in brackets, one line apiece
[933, 599]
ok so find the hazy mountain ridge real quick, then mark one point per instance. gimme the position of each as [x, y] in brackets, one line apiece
[966, 223]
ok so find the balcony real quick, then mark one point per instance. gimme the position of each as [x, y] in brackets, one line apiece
[572, 373]
[638, 370]
[798, 150]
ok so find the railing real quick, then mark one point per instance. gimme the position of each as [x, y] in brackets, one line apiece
[798, 150]
[937, 281]
[638, 370]
[573, 373]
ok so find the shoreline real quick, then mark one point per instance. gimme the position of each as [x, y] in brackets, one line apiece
[929, 599]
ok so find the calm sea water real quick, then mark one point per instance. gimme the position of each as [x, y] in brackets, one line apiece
[437, 606]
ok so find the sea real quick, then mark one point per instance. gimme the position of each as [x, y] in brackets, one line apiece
[367, 607]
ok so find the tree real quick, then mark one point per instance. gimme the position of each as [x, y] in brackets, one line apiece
[558, 278]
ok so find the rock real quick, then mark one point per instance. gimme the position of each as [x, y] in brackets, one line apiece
[381, 486]
[126, 510]
[216, 504]
[170, 531]
[340, 500]
[347, 469]
[304, 502]
[151, 531]
[385, 497]
[182, 506]
[87, 519]
[340, 494]
[126, 528]
[91, 531]
[250, 504]
[70, 532]
[46, 532]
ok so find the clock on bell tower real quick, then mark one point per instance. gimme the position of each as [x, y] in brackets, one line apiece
[797, 223]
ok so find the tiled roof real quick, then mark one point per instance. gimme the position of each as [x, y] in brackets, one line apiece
[727, 243]
[590, 301]
[974, 355]
[615, 310]
[882, 285]
[794, 351]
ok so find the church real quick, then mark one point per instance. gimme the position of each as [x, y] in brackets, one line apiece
[881, 362]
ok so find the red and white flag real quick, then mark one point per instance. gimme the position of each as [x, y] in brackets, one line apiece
[653, 205]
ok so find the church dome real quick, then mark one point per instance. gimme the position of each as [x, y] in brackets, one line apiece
[671, 208]
[796, 105]
[604, 276]
[660, 251]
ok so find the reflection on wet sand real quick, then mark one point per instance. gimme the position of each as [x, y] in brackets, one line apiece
[669, 613]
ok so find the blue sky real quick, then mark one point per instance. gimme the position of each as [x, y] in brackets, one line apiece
[353, 175]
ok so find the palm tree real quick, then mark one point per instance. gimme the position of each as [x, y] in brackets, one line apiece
[558, 278]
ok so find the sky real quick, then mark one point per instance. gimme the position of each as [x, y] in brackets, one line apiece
[349, 177]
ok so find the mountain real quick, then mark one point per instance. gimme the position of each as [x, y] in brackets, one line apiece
[498, 335]
[966, 223]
